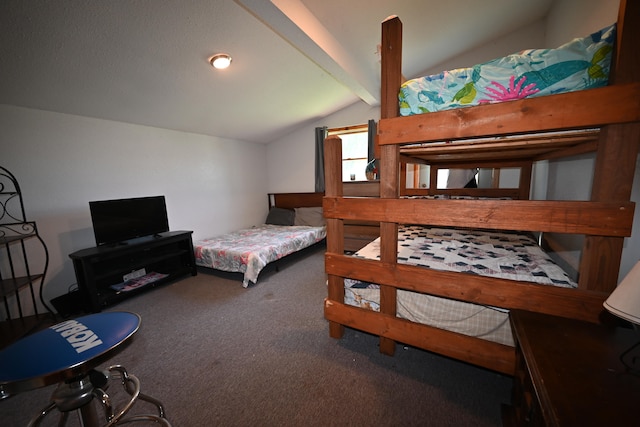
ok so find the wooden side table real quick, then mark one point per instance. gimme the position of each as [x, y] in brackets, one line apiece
[568, 373]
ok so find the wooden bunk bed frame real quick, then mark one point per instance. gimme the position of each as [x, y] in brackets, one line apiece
[295, 200]
[604, 220]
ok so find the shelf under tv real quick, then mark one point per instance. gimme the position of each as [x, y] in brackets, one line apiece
[99, 268]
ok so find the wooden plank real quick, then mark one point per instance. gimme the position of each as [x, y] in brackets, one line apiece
[613, 180]
[616, 162]
[585, 147]
[506, 193]
[402, 182]
[391, 67]
[295, 200]
[361, 189]
[582, 109]
[335, 227]
[626, 62]
[524, 185]
[487, 354]
[509, 294]
[547, 142]
[367, 230]
[391, 71]
[389, 189]
[573, 217]
[499, 155]
[479, 157]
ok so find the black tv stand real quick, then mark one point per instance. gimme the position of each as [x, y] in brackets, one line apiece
[100, 269]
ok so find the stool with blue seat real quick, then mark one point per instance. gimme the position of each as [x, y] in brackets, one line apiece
[69, 353]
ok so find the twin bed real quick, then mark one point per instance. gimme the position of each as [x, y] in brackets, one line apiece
[294, 222]
[434, 253]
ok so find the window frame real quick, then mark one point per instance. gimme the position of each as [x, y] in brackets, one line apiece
[359, 176]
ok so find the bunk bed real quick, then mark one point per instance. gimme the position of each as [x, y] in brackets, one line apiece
[604, 121]
[295, 222]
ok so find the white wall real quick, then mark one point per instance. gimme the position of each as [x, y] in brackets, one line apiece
[569, 19]
[62, 162]
[529, 37]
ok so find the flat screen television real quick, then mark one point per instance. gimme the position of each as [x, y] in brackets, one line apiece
[116, 221]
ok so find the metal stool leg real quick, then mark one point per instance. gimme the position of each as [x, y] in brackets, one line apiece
[71, 396]
[131, 384]
[79, 395]
[45, 411]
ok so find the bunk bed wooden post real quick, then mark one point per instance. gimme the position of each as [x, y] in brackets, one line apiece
[391, 66]
[335, 227]
[615, 166]
[391, 79]
[389, 178]
[403, 178]
[433, 180]
[616, 158]
[525, 181]
[626, 64]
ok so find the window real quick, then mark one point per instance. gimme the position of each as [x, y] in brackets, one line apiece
[355, 151]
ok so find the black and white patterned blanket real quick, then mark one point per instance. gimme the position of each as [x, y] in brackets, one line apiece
[506, 255]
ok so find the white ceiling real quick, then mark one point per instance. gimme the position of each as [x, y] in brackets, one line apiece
[294, 61]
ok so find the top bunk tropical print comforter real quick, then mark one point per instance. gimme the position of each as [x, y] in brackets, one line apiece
[583, 63]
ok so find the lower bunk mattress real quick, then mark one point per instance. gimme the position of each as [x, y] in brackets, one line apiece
[249, 250]
[487, 253]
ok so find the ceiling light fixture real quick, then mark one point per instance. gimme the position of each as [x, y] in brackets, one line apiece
[220, 61]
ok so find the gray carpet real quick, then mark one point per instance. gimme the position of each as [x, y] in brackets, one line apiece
[218, 354]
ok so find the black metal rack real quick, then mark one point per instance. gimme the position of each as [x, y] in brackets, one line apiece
[24, 260]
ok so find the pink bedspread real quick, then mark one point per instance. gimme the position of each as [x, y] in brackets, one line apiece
[248, 251]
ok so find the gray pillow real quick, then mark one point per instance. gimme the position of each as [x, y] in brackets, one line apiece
[279, 216]
[309, 216]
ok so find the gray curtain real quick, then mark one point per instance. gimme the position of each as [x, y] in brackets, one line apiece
[321, 134]
[372, 130]
[372, 139]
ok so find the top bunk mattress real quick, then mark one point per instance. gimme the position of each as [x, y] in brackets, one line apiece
[583, 63]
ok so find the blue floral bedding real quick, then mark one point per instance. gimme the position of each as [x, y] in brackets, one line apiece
[248, 251]
[583, 63]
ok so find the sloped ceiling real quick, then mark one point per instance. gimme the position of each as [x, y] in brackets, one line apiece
[294, 61]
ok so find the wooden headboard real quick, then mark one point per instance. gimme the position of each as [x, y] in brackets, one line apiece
[295, 200]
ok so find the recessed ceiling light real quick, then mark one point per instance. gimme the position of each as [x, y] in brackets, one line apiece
[220, 61]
